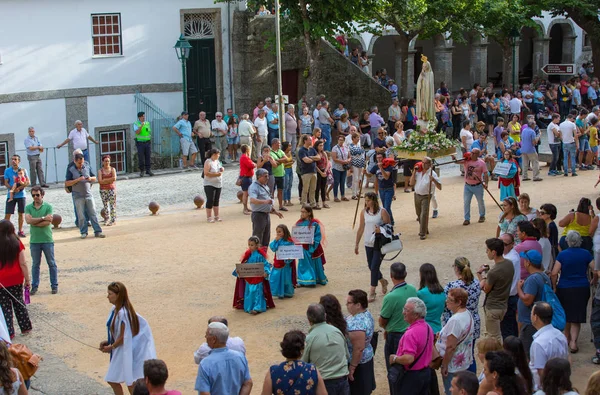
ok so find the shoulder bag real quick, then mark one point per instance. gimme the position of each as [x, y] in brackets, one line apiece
[24, 360]
[396, 371]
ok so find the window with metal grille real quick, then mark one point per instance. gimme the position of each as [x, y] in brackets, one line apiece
[106, 35]
[112, 143]
[3, 159]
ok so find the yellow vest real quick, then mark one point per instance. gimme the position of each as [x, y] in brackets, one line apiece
[145, 131]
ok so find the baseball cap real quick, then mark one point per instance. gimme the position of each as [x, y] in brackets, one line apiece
[184, 113]
[532, 256]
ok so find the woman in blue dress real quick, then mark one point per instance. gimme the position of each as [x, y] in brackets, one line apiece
[293, 376]
[253, 294]
[310, 268]
[281, 275]
[509, 184]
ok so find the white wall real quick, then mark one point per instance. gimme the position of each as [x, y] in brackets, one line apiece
[49, 120]
[47, 45]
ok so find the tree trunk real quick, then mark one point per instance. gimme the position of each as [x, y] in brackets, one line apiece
[591, 25]
[313, 54]
[507, 64]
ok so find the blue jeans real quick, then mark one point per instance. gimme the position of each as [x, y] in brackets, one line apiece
[337, 386]
[386, 195]
[273, 134]
[374, 259]
[288, 180]
[555, 148]
[569, 149]
[76, 216]
[447, 382]
[339, 181]
[469, 191]
[86, 155]
[36, 258]
[326, 136]
[85, 207]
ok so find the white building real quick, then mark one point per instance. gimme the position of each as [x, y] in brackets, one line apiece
[65, 60]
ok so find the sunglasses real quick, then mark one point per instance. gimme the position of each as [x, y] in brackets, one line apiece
[36, 194]
[542, 212]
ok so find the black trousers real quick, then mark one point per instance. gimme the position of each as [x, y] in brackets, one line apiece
[391, 346]
[261, 227]
[8, 304]
[204, 145]
[321, 188]
[508, 325]
[144, 149]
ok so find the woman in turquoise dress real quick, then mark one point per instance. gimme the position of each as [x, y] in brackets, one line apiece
[281, 275]
[253, 294]
[509, 184]
[310, 268]
[293, 376]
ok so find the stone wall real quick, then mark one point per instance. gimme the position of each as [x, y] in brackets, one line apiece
[255, 77]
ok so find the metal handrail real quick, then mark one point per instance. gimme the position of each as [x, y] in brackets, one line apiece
[46, 150]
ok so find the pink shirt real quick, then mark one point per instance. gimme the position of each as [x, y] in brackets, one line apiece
[529, 243]
[413, 341]
[474, 171]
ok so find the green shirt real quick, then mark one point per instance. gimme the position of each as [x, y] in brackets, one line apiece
[278, 171]
[326, 349]
[393, 303]
[39, 234]
[435, 304]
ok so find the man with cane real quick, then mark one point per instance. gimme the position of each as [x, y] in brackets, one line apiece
[476, 179]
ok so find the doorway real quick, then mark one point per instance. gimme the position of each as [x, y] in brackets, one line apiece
[202, 79]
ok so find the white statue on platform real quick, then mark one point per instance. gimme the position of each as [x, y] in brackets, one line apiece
[425, 94]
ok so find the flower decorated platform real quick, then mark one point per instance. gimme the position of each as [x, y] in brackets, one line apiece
[426, 142]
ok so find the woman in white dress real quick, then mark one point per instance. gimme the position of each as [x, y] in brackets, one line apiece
[130, 341]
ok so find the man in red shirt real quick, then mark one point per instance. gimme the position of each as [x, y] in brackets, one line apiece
[476, 179]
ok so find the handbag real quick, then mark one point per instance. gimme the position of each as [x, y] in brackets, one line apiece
[26, 361]
[396, 371]
[393, 246]
[238, 182]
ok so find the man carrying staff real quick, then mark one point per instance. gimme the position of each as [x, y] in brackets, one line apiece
[143, 135]
[261, 205]
[422, 179]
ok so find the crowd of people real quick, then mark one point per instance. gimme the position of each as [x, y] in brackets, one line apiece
[536, 286]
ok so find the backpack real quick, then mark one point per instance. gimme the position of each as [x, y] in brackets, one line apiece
[23, 359]
[559, 319]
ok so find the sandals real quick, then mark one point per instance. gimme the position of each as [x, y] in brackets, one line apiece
[325, 205]
[384, 286]
[372, 297]
[218, 219]
[345, 199]
[210, 220]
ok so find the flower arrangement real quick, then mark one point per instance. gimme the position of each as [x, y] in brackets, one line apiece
[427, 142]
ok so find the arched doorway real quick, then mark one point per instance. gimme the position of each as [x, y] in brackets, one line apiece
[384, 55]
[461, 60]
[495, 60]
[562, 44]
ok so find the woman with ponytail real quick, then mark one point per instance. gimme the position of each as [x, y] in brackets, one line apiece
[465, 280]
[130, 341]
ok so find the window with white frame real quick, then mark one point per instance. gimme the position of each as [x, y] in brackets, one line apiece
[106, 35]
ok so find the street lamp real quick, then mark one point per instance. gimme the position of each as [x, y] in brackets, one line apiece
[514, 40]
[182, 49]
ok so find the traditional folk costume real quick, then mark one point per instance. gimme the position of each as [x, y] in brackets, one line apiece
[509, 184]
[310, 268]
[253, 293]
[127, 360]
[283, 273]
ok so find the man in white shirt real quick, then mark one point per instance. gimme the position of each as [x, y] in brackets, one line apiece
[508, 325]
[79, 136]
[425, 186]
[554, 136]
[261, 131]
[515, 105]
[233, 343]
[568, 131]
[246, 130]
[548, 342]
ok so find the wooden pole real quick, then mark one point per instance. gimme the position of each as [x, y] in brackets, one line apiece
[488, 191]
[360, 191]
[429, 197]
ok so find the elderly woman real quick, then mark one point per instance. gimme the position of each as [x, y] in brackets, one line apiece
[579, 221]
[525, 208]
[293, 375]
[455, 343]
[465, 280]
[343, 125]
[291, 126]
[306, 121]
[510, 218]
[360, 331]
[573, 288]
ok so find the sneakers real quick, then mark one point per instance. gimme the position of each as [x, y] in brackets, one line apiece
[566, 174]
[54, 291]
[83, 236]
[435, 214]
[33, 291]
[467, 222]
[21, 234]
[100, 235]
[481, 219]
[559, 172]
[150, 173]
[574, 174]
[538, 179]
[141, 174]
[552, 173]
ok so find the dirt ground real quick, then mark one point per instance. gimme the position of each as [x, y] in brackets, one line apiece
[177, 268]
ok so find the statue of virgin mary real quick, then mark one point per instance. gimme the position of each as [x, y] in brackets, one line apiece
[425, 92]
